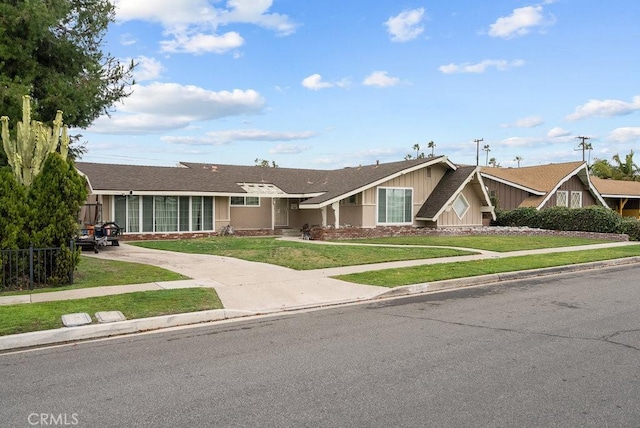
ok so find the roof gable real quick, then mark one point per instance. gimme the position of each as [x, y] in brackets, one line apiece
[445, 191]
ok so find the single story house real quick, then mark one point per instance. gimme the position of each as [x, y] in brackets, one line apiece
[621, 196]
[558, 184]
[201, 198]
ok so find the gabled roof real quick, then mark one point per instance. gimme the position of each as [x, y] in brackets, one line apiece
[447, 189]
[617, 188]
[322, 187]
[541, 181]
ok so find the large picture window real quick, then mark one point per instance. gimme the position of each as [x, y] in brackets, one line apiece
[395, 205]
[163, 213]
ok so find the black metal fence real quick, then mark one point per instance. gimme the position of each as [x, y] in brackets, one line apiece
[32, 268]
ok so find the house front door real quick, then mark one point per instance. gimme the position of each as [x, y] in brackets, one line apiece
[281, 212]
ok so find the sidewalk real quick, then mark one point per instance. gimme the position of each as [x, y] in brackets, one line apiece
[248, 288]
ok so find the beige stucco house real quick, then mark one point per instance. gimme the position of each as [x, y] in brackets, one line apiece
[194, 198]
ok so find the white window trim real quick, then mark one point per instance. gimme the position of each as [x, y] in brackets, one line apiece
[244, 201]
[378, 207]
[579, 194]
[566, 198]
[467, 206]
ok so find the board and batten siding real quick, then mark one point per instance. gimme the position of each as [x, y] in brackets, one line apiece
[509, 198]
[422, 181]
[473, 216]
[574, 184]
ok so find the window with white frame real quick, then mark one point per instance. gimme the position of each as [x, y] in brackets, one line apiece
[245, 201]
[395, 205]
[576, 199]
[562, 198]
[460, 206]
[163, 213]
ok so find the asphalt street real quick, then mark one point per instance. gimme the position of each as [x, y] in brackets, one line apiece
[556, 351]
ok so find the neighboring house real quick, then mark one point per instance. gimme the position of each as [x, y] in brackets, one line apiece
[621, 196]
[203, 198]
[560, 184]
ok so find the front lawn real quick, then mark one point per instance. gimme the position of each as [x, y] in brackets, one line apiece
[441, 271]
[485, 242]
[28, 317]
[298, 255]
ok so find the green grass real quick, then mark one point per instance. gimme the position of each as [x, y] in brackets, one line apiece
[438, 272]
[94, 272]
[485, 242]
[297, 255]
[44, 316]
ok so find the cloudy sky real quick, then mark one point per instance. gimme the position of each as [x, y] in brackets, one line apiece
[328, 83]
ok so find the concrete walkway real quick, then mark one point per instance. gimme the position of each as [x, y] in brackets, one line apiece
[250, 288]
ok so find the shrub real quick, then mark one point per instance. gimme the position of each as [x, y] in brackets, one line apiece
[12, 211]
[631, 227]
[588, 219]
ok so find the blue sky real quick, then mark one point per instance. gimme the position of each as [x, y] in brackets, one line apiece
[327, 84]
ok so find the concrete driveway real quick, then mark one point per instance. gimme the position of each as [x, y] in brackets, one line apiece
[249, 286]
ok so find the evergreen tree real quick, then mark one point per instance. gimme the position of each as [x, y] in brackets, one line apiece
[51, 50]
[13, 205]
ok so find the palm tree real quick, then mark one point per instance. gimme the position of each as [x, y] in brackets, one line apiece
[416, 147]
[518, 159]
[432, 146]
[618, 169]
[486, 149]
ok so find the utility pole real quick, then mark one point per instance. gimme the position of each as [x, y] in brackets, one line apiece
[583, 145]
[478, 141]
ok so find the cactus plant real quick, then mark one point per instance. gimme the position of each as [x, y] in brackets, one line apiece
[33, 143]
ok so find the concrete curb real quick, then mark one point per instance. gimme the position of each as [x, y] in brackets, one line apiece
[96, 331]
[451, 284]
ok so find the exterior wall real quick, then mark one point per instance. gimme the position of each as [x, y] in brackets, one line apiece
[221, 212]
[250, 217]
[574, 184]
[422, 181]
[509, 198]
[473, 216]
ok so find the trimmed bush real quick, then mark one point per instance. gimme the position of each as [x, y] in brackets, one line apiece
[631, 227]
[588, 219]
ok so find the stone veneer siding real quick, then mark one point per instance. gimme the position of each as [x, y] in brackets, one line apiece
[378, 232]
[346, 233]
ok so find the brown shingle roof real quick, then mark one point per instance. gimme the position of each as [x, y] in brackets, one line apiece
[213, 178]
[617, 188]
[446, 188]
[542, 178]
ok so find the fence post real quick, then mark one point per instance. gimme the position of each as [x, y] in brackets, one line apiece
[31, 267]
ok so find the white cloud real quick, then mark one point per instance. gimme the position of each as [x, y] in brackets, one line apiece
[518, 142]
[315, 83]
[526, 122]
[202, 43]
[558, 132]
[625, 134]
[147, 69]
[225, 137]
[605, 108]
[520, 22]
[481, 67]
[288, 149]
[381, 79]
[161, 106]
[193, 24]
[406, 26]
